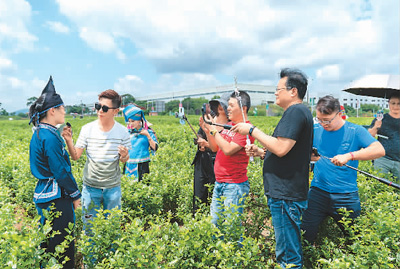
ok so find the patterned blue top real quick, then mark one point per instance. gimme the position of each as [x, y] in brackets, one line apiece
[50, 164]
[140, 147]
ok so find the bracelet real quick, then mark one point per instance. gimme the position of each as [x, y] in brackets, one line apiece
[352, 156]
[251, 129]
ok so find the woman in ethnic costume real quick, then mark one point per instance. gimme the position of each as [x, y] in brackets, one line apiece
[56, 189]
[143, 139]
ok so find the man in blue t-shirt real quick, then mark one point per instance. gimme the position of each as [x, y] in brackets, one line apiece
[334, 186]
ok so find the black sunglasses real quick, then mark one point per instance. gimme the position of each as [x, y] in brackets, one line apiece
[103, 107]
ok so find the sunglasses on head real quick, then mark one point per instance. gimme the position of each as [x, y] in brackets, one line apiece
[103, 107]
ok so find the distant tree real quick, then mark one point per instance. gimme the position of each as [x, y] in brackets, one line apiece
[31, 100]
[370, 108]
[350, 111]
[3, 111]
[127, 99]
[192, 104]
[142, 103]
[216, 97]
[73, 109]
[172, 106]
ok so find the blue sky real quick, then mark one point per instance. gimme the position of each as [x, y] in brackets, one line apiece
[146, 47]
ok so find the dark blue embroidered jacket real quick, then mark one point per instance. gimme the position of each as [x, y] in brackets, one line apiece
[50, 164]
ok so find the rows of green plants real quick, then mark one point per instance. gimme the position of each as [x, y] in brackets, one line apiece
[155, 227]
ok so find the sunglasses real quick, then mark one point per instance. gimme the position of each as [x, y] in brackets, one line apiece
[105, 108]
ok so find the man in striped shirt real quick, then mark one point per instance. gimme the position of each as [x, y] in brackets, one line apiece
[107, 143]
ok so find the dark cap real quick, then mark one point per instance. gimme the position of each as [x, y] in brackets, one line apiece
[223, 101]
[48, 99]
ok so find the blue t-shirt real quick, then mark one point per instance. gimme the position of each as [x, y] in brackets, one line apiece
[329, 177]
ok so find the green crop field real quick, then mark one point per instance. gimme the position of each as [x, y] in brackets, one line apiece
[155, 227]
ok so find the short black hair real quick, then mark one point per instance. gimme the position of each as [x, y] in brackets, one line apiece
[296, 79]
[245, 99]
[394, 95]
[328, 104]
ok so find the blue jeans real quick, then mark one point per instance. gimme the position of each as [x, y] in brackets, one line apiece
[322, 204]
[233, 193]
[92, 198]
[286, 219]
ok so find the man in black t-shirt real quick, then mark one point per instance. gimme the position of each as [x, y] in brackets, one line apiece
[388, 131]
[286, 165]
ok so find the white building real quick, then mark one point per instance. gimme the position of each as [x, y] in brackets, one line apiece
[259, 94]
[352, 100]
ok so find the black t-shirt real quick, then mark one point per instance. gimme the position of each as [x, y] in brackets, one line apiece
[390, 129]
[287, 177]
[204, 159]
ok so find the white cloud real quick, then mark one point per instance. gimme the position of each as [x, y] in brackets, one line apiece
[190, 43]
[57, 27]
[14, 92]
[166, 83]
[129, 84]
[5, 64]
[101, 41]
[252, 39]
[14, 19]
[329, 72]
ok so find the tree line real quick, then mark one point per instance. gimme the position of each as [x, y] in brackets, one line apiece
[192, 106]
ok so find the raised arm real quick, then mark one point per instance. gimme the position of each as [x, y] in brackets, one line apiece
[216, 141]
[74, 152]
[228, 148]
[374, 129]
[279, 146]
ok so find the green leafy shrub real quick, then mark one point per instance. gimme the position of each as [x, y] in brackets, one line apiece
[155, 227]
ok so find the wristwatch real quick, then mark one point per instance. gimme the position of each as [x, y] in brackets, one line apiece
[213, 132]
[251, 129]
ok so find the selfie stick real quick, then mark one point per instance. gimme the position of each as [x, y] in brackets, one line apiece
[225, 126]
[239, 98]
[385, 181]
[191, 127]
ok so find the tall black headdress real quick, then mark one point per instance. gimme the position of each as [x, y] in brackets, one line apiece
[48, 99]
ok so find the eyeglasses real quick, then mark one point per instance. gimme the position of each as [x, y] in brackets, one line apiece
[279, 89]
[327, 121]
[105, 108]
